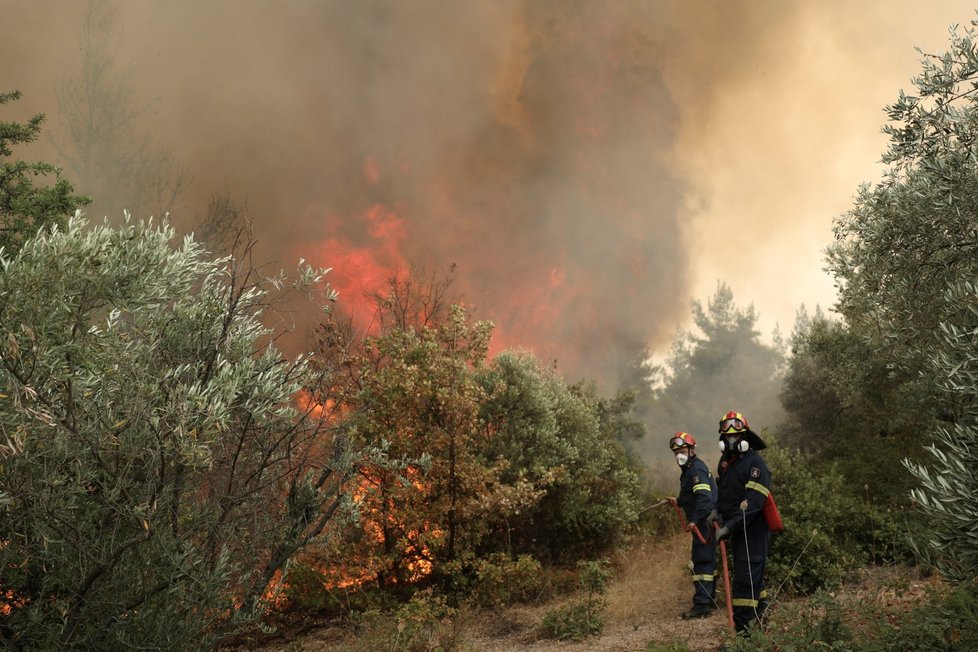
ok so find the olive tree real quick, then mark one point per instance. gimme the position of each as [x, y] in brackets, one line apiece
[912, 236]
[947, 489]
[905, 257]
[156, 474]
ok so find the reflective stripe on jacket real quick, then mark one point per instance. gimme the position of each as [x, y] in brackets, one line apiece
[697, 491]
[740, 477]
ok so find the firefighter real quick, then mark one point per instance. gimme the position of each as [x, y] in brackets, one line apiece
[744, 483]
[697, 498]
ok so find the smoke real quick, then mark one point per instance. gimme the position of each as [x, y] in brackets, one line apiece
[566, 156]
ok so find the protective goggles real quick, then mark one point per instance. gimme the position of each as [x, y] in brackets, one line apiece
[677, 442]
[732, 425]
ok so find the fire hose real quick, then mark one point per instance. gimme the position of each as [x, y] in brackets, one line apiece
[683, 525]
[726, 577]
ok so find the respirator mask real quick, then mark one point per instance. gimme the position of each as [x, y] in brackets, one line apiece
[735, 444]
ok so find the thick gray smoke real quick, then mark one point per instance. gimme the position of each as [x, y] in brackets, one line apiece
[535, 144]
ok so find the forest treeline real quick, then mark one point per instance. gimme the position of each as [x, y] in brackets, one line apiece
[169, 478]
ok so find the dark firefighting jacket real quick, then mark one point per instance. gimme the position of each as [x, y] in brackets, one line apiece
[697, 491]
[742, 477]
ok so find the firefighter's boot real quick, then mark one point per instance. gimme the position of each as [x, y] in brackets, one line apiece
[699, 611]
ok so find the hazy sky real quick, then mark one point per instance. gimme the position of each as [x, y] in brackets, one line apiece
[590, 167]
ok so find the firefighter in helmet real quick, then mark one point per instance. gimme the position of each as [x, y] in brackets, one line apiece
[697, 498]
[744, 483]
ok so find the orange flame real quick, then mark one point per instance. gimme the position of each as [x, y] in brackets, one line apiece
[362, 271]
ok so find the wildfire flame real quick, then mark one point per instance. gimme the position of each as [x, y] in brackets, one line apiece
[363, 271]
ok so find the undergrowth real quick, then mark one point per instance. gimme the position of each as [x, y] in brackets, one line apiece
[585, 615]
[941, 620]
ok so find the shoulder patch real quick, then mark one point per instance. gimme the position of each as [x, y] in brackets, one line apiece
[755, 472]
[724, 464]
[696, 479]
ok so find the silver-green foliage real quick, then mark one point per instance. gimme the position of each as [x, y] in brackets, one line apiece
[154, 470]
[912, 236]
[947, 490]
[905, 257]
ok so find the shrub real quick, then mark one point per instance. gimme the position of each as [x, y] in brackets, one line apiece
[423, 624]
[813, 551]
[945, 624]
[816, 623]
[585, 615]
[564, 441]
[500, 581]
[831, 526]
[305, 591]
[658, 522]
[654, 646]
[575, 621]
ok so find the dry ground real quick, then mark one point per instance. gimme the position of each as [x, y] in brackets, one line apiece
[644, 602]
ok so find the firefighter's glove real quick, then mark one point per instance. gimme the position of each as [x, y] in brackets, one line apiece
[723, 533]
[711, 517]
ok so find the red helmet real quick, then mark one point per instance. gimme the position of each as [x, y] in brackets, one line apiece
[733, 423]
[681, 439]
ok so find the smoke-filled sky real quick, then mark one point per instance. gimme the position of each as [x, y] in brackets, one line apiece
[590, 167]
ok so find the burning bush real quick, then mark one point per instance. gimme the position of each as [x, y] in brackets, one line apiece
[505, 456]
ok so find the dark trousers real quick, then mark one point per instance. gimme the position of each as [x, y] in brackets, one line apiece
[749, 563]
[704, 558]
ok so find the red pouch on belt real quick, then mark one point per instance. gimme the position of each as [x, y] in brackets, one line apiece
[772, 515]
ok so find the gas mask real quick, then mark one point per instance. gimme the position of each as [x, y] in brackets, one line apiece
[734, 443]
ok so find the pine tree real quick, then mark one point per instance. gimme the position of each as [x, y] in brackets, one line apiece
[24, 206]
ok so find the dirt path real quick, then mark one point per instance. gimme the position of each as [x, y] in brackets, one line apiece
[644, 603]
[653, 587]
